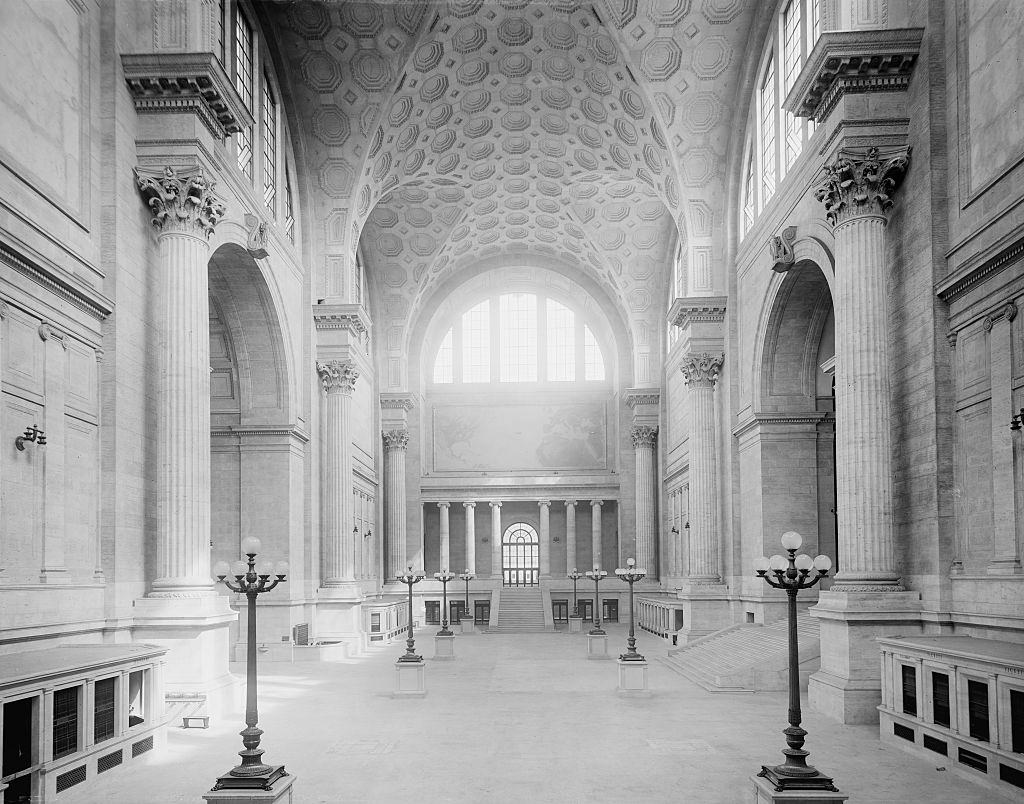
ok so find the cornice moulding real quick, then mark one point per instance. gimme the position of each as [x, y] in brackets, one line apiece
[89, 301]
[634, 397]
[972, 273]
[259, 431]
[172, 82]
[810, 417]
[853, 61]
[397, 401]
[350, 317]
[690, 309]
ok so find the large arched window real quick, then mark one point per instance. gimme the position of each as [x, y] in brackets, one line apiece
[519, 337]
[520, 556]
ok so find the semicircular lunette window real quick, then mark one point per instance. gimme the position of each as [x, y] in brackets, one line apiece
[519, 337]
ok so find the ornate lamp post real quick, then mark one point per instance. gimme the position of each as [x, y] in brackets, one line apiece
[443, 576]
[596, 574]
[467, 576]
[631, 574]
[574, 576]
[251, 581]
[410, 578]
[792, 573]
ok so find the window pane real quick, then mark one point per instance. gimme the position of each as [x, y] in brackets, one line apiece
[594, 362]
[561, 342]
[977, 710]
[476, 343]
[518, 337]
[814, 26]
[243, 83]
[748, 194]
[909, 690]
[269, 147]
[940, 699]
[793, 59]
[103, 710]
[65, 722]
[766, 110]
[444, 364]
[289, 208]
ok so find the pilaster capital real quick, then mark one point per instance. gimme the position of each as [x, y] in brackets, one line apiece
[596, 503]
[181, 199]
[861, 182]
[444, 506]
[570, 503]
[643, 435]
[495, 504]
[396, 439]
[1007, 311]
[337, 375]
[544, 503]
[702, 369]
[468, 505]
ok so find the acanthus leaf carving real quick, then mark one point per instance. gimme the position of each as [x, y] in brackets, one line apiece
[862, 182]
[396, 439]
[702, 369]
[643, 435]
[337, 375]
[182, 200]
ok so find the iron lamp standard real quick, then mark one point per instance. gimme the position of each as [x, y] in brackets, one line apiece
[596, 574]
[250, 580]
[410, 578]
[443, 576]
[631, 574]
[574, 576]
[793, 573]
[467, 576]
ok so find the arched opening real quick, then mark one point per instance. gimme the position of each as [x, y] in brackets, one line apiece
[520, 555]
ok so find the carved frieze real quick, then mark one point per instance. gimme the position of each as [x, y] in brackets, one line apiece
[702, 369]
[643, 435]
[182, 200]
[862, 182]
[781, 247]
[336, 375]
[396, 439]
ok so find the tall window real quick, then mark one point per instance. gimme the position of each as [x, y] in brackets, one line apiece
[222, 12]
[519, 337]
[766, 118]
[476, 343]
[65, 722]
[104, 710]
[269, 146]
[289, 208]
[793, 59]
[243, 83]
[749, 193]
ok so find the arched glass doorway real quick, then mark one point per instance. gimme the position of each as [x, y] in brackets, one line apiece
[520, 556]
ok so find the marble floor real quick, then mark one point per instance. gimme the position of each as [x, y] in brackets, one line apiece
[520, 718]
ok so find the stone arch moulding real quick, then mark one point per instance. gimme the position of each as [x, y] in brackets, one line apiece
[619, 344]
[811, 255]
[251, 312]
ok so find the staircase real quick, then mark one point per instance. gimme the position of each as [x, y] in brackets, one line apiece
[748, 658]
[520, 610]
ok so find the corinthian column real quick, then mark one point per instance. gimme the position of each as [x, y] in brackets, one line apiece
[185, 211]
[644, 440]
[700, 372]
[857, 193]
[595, 531]
[570, 535]
[395, 444]
[545, 537]
[445, 552]
[338, 380]
[495, 539]
[470, 536]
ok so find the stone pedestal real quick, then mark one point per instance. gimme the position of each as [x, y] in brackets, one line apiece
[597, 646]
[848, 687]
[410, 680]
[633, 678]
[444, 646]
[765, 792]
[467, 625]
[280, 793]
[575, 625]
[705, 610]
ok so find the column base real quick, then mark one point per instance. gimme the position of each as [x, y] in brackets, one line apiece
[410, 680]
[633, 678]
[848, 687]
[444, 646]
[280, 792]
[338, 616]
[706, 609]
[195, 630]
[597, 646]
[766, 793]
[575, 625]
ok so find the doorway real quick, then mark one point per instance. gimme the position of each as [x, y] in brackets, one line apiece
[520, 556]
[18, 765]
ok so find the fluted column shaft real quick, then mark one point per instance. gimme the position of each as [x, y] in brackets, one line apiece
[395, 444]
[495, 539]
[644, 440]
[570, 535]
[338, 380]
[185, 212]
[701, 374]
[595, 531]
[545, 537]
[857, 193]
[444, 556]
[470, 536]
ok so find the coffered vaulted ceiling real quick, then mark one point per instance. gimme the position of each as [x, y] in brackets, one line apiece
[436, 135]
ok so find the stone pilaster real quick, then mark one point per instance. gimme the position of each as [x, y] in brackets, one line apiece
[54, 369]
[570, 535]
[545, 537]
[470, 536]
[645, 439]
[495, 539]
[444, 556]
[395, 444]
[338, 379]
[595, 531]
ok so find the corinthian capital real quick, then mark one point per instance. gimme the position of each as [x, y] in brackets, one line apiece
[643, 436]
[862, 182]
[337, 376]
[396, 439]
[702, 369]
[181, 200]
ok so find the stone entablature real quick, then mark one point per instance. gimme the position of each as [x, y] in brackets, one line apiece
[176, 82]
[853, 61]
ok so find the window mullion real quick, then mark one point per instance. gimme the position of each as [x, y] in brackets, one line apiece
[580, 350]
[543, 356]
[457, 353]
[495, 339]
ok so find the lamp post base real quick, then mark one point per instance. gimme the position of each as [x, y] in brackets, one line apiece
[410, 679]
[633, 678]
[575, 625]
[467, 625]
[244, 786]
[766, 792]
[444, 646]
[597, 646]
